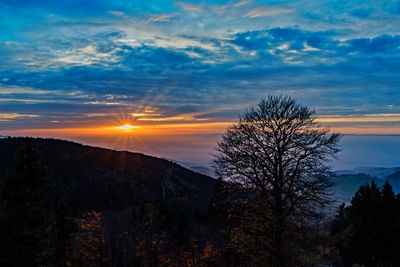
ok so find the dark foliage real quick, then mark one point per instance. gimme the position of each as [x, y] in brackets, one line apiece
[179, 218]
[91, 178]
[368, 231]
[33, 231]
[98, 207]
[23, 216]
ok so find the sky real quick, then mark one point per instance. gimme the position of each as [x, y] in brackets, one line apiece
[181, 72]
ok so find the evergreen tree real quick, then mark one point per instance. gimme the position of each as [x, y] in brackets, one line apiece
[217, 212]
[338, 228]
[24, 214]
[389, 226]
[63, 226]
[367, 232]
[363, 215]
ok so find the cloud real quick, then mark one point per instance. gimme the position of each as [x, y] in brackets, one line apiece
[6, 117]
[158, 18]
[309, 48]
[242, 3]
[318, 47]
[267, 11]
[191, 7]
[290, 46]
[83, 56]
[116, 13]
[13, 90]
[384, 44]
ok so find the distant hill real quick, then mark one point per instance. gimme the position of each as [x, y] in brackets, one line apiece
[196, 168]
[394, 176]
[103, 179]
[203, 170]
[371, 171]
[347, 184]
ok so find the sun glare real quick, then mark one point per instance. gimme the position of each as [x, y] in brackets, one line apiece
[126, 127]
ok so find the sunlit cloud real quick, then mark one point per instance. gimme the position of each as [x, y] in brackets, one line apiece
[382, 117]
[107, 103]
[145, 114]
[190, 7]
[26, 101]
[160, 18]
[267, 11]
[85, 56]
[175, 118]
[5, 117]
[116, 13]
[378, 123]
[23, 91]
[242, 3]
[92, 115]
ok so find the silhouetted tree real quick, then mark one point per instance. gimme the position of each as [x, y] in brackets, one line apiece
[339, 234]
[63, 227]
[389, 225]
[279, 152]
[363, 216]
[217, 212]
[368, 231]
[24, 211]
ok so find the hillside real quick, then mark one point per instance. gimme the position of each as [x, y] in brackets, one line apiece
[395, 175]
[347, 184]
[103, 179]
[377, 172]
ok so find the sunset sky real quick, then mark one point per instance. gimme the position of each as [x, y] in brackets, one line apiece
[180, 72]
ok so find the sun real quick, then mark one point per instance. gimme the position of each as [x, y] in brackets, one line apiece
[126, 127]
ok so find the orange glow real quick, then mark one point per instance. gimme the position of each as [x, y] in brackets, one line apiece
[360, 119]
[184, 129]
[185, 125]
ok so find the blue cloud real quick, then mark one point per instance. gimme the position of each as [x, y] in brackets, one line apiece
[276, 36]
[384, 44]
[361, 12]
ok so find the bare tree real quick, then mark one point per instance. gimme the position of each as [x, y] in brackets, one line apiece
[279, 151]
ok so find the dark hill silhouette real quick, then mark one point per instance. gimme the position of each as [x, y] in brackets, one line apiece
[93, 178]
[395, 175]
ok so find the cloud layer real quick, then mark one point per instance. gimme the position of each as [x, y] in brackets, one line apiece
[63, 64]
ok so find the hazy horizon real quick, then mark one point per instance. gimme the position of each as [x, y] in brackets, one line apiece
[357, 150]
[178, 73]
